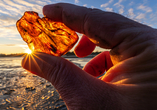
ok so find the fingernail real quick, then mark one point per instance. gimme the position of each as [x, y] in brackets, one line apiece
[53, 11]
[45, 10]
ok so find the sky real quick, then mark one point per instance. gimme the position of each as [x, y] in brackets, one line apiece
[143, 11]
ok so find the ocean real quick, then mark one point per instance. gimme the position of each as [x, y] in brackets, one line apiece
[21, 90]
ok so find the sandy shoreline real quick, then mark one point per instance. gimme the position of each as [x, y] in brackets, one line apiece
[28, 92]
[21, 90]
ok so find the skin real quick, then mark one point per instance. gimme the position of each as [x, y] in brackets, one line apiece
[130, 82]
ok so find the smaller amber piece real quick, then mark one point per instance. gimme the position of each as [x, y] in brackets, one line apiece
[45, 35]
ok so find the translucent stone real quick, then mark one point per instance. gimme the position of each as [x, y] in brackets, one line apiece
[45, 35]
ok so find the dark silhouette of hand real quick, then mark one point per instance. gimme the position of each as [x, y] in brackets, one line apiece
[130, 82]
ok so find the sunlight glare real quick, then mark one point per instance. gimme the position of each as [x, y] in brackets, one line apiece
[28, 51]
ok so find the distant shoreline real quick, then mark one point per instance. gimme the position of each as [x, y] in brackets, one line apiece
[64, 56]
[12, 55]
[67, 55]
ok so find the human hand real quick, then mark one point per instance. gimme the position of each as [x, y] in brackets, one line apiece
[129, 84]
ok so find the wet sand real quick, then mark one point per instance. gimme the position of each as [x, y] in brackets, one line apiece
[21, 90]
[25, 91]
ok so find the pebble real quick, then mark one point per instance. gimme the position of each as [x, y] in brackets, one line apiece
[30, 88]
[9, 92]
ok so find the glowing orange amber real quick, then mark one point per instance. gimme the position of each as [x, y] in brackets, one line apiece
[45, 35]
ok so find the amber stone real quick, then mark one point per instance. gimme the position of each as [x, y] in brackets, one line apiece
[45, 35]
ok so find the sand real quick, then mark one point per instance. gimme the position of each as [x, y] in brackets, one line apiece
[28, 92]
[21, 90]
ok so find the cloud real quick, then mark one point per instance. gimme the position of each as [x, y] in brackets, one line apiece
[12, 10]
[131, 13]
[8, 31]
[131, 3]
[13, 48]
[22, 2]
[109, 9]
[140, 16]
[7, 20]
[8, 9]
[118, 3]
[16, 39]
[36, 6]
[23, 45]
[15, 45]
[76, 1]
[39, 2]
[121, 10]
[145, 8]
[11, 3]
[92, 7]
[85, 5]
[120, 6]
[18, 7]
[8, 44]
[4, 12]
[106, 4]
[153, 17]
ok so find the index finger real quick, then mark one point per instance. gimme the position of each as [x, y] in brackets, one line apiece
[70, 15]
[102, 28]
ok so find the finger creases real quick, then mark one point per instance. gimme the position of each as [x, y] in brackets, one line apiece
[99, 64]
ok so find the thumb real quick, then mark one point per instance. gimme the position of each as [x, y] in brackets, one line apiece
[75, 86]
[54, 69]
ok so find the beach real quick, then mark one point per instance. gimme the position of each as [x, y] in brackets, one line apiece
[21, 90]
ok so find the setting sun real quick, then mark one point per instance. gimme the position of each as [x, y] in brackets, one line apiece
[28, 51]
